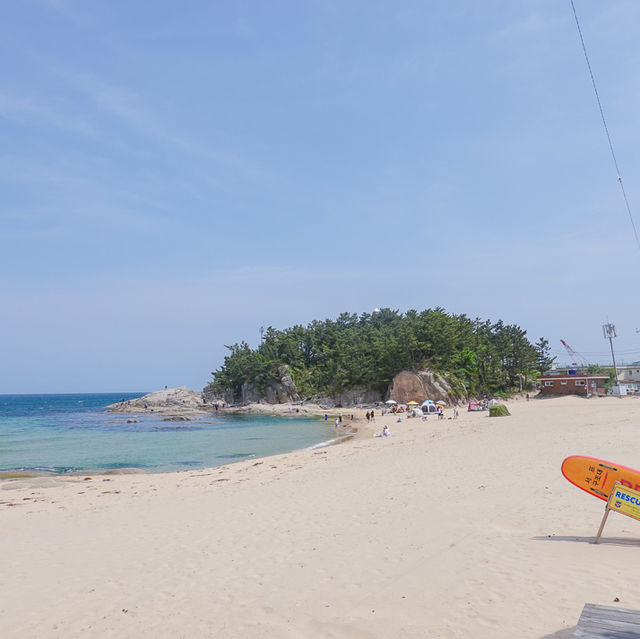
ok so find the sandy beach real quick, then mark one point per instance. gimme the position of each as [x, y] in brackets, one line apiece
[449, 528]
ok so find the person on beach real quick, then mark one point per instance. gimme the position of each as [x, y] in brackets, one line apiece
[385, 431]
[337, 422]
[368, 416]
[326, 417]
[455, 412]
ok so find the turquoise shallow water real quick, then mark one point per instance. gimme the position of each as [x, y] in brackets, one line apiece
[72, 433]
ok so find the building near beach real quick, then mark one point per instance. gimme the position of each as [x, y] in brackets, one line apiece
[630, 372]
[623, 388]
[572, 382]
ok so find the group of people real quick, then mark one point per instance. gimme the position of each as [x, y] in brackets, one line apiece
[370, 416]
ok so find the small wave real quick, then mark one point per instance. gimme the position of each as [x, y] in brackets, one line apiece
[331, 442]
[235, 456]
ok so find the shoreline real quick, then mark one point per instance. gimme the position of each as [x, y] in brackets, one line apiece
[450, 528]
[346, 432]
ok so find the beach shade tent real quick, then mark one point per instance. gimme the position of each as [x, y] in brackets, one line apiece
[391, 401]
[473, 406]
[427, 402]
[429, 407]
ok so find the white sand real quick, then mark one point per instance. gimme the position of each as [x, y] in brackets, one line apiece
[447, 529]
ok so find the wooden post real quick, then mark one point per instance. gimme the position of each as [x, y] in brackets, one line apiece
[604, 521]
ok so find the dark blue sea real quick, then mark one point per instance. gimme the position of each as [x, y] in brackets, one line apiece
[61, 434]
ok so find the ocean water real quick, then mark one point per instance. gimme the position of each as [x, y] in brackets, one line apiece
[72, 433]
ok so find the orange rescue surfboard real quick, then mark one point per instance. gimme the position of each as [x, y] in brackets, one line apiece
[596, 476]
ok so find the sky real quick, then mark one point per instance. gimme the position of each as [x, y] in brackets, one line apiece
[173, 176]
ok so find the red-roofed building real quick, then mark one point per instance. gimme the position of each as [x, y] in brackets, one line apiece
[572, 383]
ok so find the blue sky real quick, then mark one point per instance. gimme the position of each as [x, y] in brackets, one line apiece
[175, 175]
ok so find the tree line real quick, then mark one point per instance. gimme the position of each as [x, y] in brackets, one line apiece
[477, 357]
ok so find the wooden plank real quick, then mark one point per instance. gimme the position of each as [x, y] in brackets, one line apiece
[606, 622]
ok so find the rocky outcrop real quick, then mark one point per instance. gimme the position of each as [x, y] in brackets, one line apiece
[405, 387]
[249, 393]
[416, 387]
[214, 397]
[284, 390]
[353, 397]
[278, 391]
[171, 400]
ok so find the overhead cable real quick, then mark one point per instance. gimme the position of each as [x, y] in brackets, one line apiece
[606, 128]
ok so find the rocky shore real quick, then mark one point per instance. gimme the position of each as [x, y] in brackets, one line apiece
[182, 402]
[281, 398]
[171, 401]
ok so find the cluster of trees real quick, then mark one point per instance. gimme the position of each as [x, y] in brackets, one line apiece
[366, 351]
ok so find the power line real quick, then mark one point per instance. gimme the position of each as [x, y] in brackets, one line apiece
[606, 128]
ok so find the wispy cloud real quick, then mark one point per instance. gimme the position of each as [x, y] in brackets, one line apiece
[127, 106]
[52, 113]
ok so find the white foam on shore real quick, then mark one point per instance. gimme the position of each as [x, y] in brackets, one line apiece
[330, 442]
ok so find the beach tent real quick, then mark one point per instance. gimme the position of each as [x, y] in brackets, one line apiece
[427, 402]
[429, 407]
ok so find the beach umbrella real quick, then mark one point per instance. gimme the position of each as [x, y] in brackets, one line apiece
[412, 403]
[391, 401]
[441, 403]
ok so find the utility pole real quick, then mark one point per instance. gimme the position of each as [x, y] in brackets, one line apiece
[609, 331]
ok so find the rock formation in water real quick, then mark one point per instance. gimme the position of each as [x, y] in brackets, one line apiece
[171, 400]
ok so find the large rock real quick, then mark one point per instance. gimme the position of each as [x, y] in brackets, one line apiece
[280, 392]
[357, 396]
[416, 387]
[215, 397]
[176, 400]
[249, 393]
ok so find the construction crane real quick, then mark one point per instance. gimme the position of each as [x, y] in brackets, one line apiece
[577, 359]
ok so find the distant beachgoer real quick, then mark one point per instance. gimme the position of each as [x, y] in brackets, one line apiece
[527, 396]
[373, 417]
[337, 423]
[385, 431]
[368, 416]
[326, 417]
[455, 412]
[340, 417]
